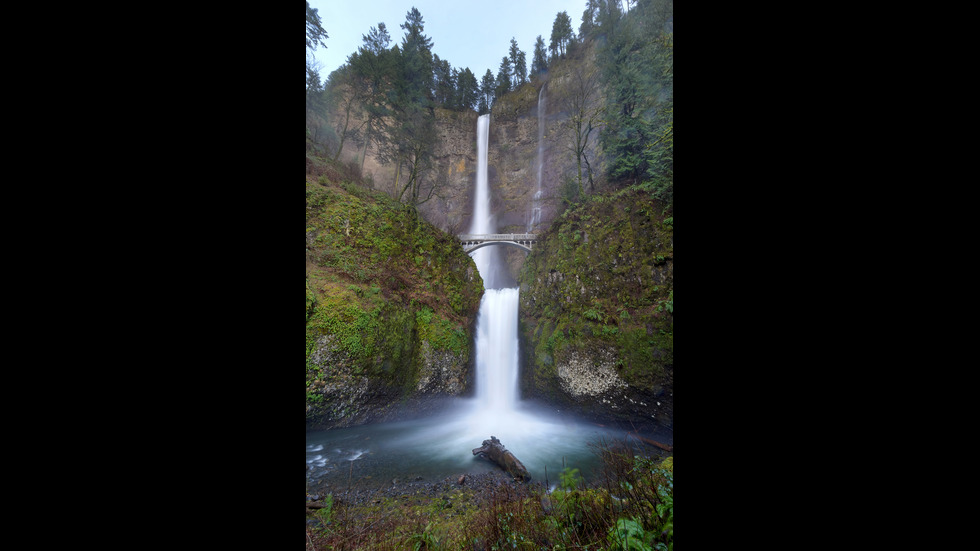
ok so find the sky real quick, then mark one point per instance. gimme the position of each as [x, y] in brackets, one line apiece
[464, 32]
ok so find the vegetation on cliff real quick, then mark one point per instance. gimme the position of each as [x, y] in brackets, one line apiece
[597, 305]
[390, 300]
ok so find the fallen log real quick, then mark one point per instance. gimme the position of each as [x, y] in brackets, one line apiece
[493, 450]
[664, 447]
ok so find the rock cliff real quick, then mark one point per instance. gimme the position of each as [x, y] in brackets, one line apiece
[391, 304]
[597, 310]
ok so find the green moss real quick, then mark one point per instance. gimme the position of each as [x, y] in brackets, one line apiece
[613, 290]
[379, 281]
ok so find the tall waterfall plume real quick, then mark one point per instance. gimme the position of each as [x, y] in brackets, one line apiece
[488, 259]
[496, 341]
[535, 217]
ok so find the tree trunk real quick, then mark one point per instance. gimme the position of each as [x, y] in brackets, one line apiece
[494, 451]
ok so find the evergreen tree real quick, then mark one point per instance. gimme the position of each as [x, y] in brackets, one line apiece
[539, 62]
[467, 90]
[561, 34]
[518, 62]
[445, 82]
[503, 78]
[373, 64]
[589, 19]
[487, 92]
[314, 29]
[637, 61]
[413, 132]
[520, 68]
[377, 39]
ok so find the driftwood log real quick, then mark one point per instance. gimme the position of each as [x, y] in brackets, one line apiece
[664, 447]
[494, 451]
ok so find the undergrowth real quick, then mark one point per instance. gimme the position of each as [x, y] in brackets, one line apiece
[628, 506]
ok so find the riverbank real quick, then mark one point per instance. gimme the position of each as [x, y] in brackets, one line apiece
[486, 509]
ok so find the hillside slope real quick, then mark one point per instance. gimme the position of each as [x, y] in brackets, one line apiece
[391, 303]
[597, 310]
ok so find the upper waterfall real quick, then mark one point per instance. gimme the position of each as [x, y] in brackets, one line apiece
[489, 259]
[535, 217]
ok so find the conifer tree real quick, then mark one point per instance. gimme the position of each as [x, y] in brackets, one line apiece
[412, 137]
[503, 83]
[539, 62]
[561, 34]
[637, 62]
[518, 63]
[487, 92]
[373, 64]
[467, 90]
[314, 29]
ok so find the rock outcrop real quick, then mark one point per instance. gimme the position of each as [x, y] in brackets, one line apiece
[391, 309]
[597, 310]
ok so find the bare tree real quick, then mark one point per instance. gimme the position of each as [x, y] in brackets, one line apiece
[581, 99]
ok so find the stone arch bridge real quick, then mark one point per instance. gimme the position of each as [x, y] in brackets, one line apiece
[472, 242]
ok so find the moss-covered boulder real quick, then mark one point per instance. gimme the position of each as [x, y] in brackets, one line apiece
[391, 304]
[597, 310]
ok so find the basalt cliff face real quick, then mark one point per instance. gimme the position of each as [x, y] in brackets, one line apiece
[513, 157]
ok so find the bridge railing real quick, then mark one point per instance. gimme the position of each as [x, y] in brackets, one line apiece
[498, 237]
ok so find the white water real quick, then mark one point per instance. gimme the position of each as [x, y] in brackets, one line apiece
[536, 204]
[497, 351]
[488, 259]
[496, 339]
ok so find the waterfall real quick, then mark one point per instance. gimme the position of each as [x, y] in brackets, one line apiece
[481, 222]
[535, 218]
[442, 445]
[496, 340]
[497, 351]
[488, 260]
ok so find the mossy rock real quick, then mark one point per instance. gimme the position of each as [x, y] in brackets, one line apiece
[601, 279]
[380, 282]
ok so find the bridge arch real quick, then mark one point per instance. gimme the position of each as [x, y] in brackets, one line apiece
[489, 243]
[472, 242]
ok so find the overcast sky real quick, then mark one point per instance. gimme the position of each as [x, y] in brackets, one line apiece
[464, 32]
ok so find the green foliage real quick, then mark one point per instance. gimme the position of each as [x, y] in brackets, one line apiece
[612, 291]
[326, 513]
[314, 398]
[570, 478]
[629, 508]
[375, 273]
[636, 59]
[424, 539]
[628, 535]
[561, 34]
[593, 314]
[314, 29]
[570, 191]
